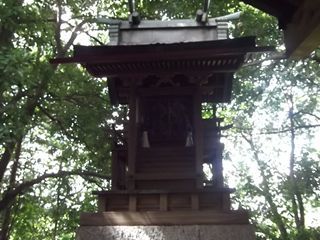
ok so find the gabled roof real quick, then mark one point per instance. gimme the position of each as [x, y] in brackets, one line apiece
[211, 56]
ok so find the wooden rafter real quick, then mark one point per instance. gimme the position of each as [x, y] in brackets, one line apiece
[300, 21]
[302, 35]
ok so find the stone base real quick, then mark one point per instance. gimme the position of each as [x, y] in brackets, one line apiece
[188, 232]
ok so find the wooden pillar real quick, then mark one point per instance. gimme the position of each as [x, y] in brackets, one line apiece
[102, 203]
[163, 202]
[198, 137]
[114, 170]
[132, 203]
[217, 166]
[132, 139]
[195, 201]
[226, 203]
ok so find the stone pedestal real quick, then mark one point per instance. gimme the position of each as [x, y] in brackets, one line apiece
[176, 232]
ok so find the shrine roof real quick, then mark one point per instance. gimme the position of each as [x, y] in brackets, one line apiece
[218, 55]
[210, 64]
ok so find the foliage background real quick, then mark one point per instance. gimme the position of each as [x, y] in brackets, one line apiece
[55, 121]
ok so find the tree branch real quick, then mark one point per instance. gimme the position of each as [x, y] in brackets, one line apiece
[307, 113]
[73, 36]
[53, 119]
[278, 131]
[58, 27]
[278, 56]
[94, 38]
[63, 129]
[21, 188]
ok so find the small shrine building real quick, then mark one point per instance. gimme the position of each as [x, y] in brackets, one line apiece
[164, 71]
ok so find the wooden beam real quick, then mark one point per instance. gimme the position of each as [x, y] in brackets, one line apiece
[302, 35]
[164, 91]
[157, 191]
[164, 176]
[163, 218]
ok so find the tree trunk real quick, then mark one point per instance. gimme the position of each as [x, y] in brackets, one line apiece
[6, 224]
[5, 158]
[296, 198]
[7, 214]
[277, 218]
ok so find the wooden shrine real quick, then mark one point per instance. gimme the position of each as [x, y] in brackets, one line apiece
[164, 71]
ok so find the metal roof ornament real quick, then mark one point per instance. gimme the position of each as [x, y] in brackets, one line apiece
[134, 17]
[202, 15]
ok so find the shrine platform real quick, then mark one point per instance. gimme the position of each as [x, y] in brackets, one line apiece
[176, 232]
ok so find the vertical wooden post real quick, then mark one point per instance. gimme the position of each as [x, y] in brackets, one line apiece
[217, 166]
[163, 202]
[195, 201]
[226, 203]
[198, 132]
[102, 203]
[114, 170]
[132, 140]
[132, 203]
